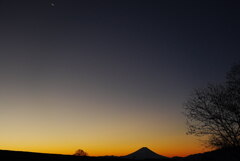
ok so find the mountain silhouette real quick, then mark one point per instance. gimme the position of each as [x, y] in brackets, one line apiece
[144, 153]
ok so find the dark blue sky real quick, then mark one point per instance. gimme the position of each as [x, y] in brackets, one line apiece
[141, 46]
[143, 52]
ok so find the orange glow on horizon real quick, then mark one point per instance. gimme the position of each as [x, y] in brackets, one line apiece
[169, 151]
[122, 153]
[95, 127]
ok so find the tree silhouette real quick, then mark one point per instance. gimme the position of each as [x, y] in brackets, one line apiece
[80, 152]
[215, 112]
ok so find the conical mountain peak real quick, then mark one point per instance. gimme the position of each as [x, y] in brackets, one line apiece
[144, 153]
[144, 148]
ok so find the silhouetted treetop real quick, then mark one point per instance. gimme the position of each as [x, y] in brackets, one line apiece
[214, 111]
[80, 152]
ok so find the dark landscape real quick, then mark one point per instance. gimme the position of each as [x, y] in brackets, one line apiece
[232, 154]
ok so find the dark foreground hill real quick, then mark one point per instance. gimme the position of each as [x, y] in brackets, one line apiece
[7, 155]
[218, 155]
[228, 154]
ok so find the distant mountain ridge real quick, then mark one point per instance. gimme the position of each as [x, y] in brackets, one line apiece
[144, 153]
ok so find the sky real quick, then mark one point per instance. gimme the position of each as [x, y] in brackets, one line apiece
[109, 77]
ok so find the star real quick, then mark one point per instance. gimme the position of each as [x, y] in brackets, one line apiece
[53, 4]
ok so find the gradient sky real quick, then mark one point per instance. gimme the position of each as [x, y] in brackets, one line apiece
[109, 77]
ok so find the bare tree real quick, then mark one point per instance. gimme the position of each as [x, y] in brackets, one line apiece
[80, 152]
[215, 112]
